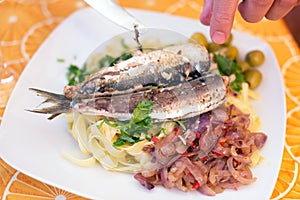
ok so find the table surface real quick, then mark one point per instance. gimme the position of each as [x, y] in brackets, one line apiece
[26, 24]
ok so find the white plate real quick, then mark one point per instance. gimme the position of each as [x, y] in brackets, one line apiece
[33, 145]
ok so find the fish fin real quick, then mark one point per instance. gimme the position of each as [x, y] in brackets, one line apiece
[61, 104]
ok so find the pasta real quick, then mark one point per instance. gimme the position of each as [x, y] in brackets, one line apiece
[96, 138]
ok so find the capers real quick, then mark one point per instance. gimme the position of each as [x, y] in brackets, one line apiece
[199, 38]
[232, 52]
[244, 65]
[213, 47]
[255, 58]
[253, 77]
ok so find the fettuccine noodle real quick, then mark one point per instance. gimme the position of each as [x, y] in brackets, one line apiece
[242, 102]
[96, 138]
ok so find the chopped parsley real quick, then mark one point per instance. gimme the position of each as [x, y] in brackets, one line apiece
[139, 124]
[181, 124]
[76, 75]
[60, 60]
[228, 67]
[108, 60]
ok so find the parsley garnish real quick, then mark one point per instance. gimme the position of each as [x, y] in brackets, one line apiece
[60, 60]
[181, 124]
[228, 67]
[111, 61]
[76, 75]
[139, 124]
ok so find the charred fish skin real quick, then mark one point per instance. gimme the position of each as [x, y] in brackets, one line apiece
[196, 54]
[190, 99]
[157, 68]
[153, 68]
[169, 66]
[186, 100]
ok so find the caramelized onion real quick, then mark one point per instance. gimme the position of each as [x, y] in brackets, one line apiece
[237, 175]
[210, 157]
[164, 179]
[207, 190]
[139, 177]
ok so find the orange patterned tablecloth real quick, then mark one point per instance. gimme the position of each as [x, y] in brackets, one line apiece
[24, 25]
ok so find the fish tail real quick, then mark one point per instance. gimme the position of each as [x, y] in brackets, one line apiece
[60, 104]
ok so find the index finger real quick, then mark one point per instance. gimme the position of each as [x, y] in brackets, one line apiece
[222, 19]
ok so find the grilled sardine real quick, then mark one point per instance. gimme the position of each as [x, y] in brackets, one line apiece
[181, 101]
[166, 67]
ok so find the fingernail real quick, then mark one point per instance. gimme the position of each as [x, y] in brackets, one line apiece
[219, 37]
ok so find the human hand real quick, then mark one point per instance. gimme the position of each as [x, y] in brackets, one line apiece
[219, 14]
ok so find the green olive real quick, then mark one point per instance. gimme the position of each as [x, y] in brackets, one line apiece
[213, 47]
[232, 52]
[229, 40]
[244, 65]
[253, 77]
[199, 38]
[255, 58]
